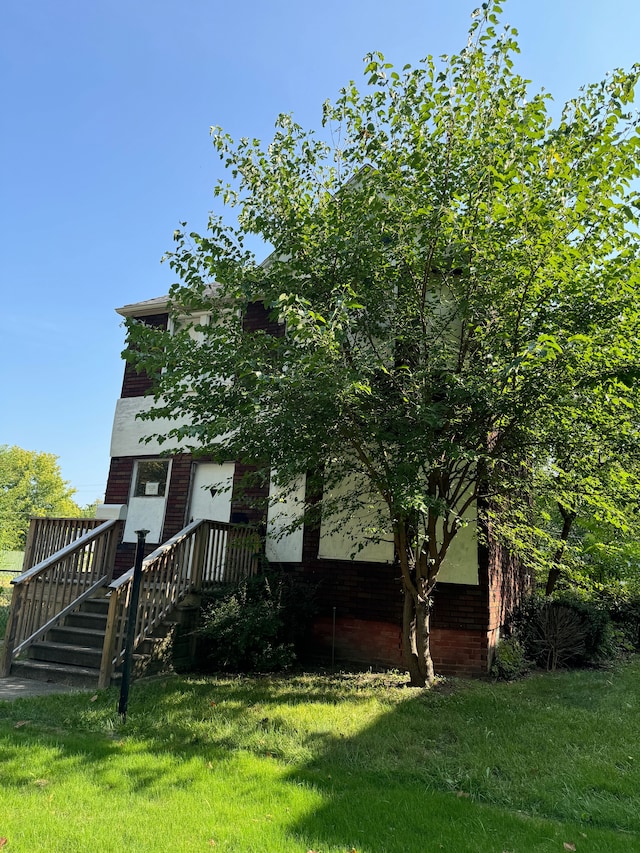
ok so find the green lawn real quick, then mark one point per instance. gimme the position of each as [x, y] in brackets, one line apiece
[10, 566]
[330, 764]
[11, 561]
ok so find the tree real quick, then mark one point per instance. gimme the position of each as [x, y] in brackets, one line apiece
[586, 487]
[449, 269]
[30, 484]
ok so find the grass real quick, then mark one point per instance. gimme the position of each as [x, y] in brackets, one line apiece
[328, 764]
[10, 566]
[11, 561]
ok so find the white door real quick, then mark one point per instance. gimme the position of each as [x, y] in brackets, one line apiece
[211, 491]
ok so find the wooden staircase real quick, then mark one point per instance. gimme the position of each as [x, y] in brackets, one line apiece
[67, 621]
[70, 652]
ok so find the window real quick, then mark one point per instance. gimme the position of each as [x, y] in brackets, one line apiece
[151, 478]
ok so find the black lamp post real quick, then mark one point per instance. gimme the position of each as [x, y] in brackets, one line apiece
[131, 625]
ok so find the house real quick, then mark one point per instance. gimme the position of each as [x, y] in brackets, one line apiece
[359, 599]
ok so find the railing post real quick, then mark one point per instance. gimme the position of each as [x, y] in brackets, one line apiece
[199, 554]
[110, 552]
[131, 625]
[9, 636]
[108, 647]
[29, 545]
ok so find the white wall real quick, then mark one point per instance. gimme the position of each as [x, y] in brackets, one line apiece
[128, 431]
[461, 563]
[145, 514]
[283, 510]
[339, 537]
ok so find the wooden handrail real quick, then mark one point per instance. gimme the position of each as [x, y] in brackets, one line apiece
[45, 593]
[77, 545]
[161, 549]
[48, 535]
[203, 552]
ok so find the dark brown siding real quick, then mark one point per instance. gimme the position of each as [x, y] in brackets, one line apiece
[119, 481]
[507, 582]
[256, 318]
[137, 384]
[249, 495]
[175, 516]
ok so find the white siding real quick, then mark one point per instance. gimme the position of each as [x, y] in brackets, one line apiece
[283, 511]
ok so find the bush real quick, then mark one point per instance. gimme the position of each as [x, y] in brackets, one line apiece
[564, 631]
[623, 607]
[256, 625]
[509, 660]
[558, 637]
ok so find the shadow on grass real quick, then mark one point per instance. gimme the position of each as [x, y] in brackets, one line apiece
[479, 768]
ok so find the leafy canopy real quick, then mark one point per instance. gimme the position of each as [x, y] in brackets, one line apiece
[457, 275]
[30, 484]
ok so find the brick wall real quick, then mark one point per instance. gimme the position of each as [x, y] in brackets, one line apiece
[460, 652]
[363, 641]
[257, 318]
[505, 581]
[368, 609]
[178, 494]
[136, 384]
[249, 495]
[508, 582]
[119, 480]
[458, 607]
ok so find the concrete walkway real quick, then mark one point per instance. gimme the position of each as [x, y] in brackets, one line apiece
[18, 688]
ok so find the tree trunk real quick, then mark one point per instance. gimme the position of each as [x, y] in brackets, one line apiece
[415, 639]
[568, 516]
[416, 586]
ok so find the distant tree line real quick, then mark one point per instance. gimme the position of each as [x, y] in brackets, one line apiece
[31, 484]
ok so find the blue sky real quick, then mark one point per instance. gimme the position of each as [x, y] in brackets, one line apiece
[104, 148]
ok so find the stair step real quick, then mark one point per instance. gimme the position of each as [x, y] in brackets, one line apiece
[83, 656]
[95, 605]
[96, 622]
[75, 636]
[80, 676]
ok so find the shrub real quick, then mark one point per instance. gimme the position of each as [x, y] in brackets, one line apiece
[509, 660]
[623, 606]
[564, 631]
[596, 623]
[253, 626]
[558, 637]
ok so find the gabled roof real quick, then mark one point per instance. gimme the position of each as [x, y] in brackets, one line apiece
[144, 309]
[158, 305]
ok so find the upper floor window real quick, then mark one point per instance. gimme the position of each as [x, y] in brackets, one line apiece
[151, 478]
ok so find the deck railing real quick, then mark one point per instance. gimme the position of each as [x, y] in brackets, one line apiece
[204, 553]
[46, 592]
[48, 535]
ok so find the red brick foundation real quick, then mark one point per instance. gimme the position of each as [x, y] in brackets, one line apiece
[459, 652]
[359, 641]
[455, 652]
